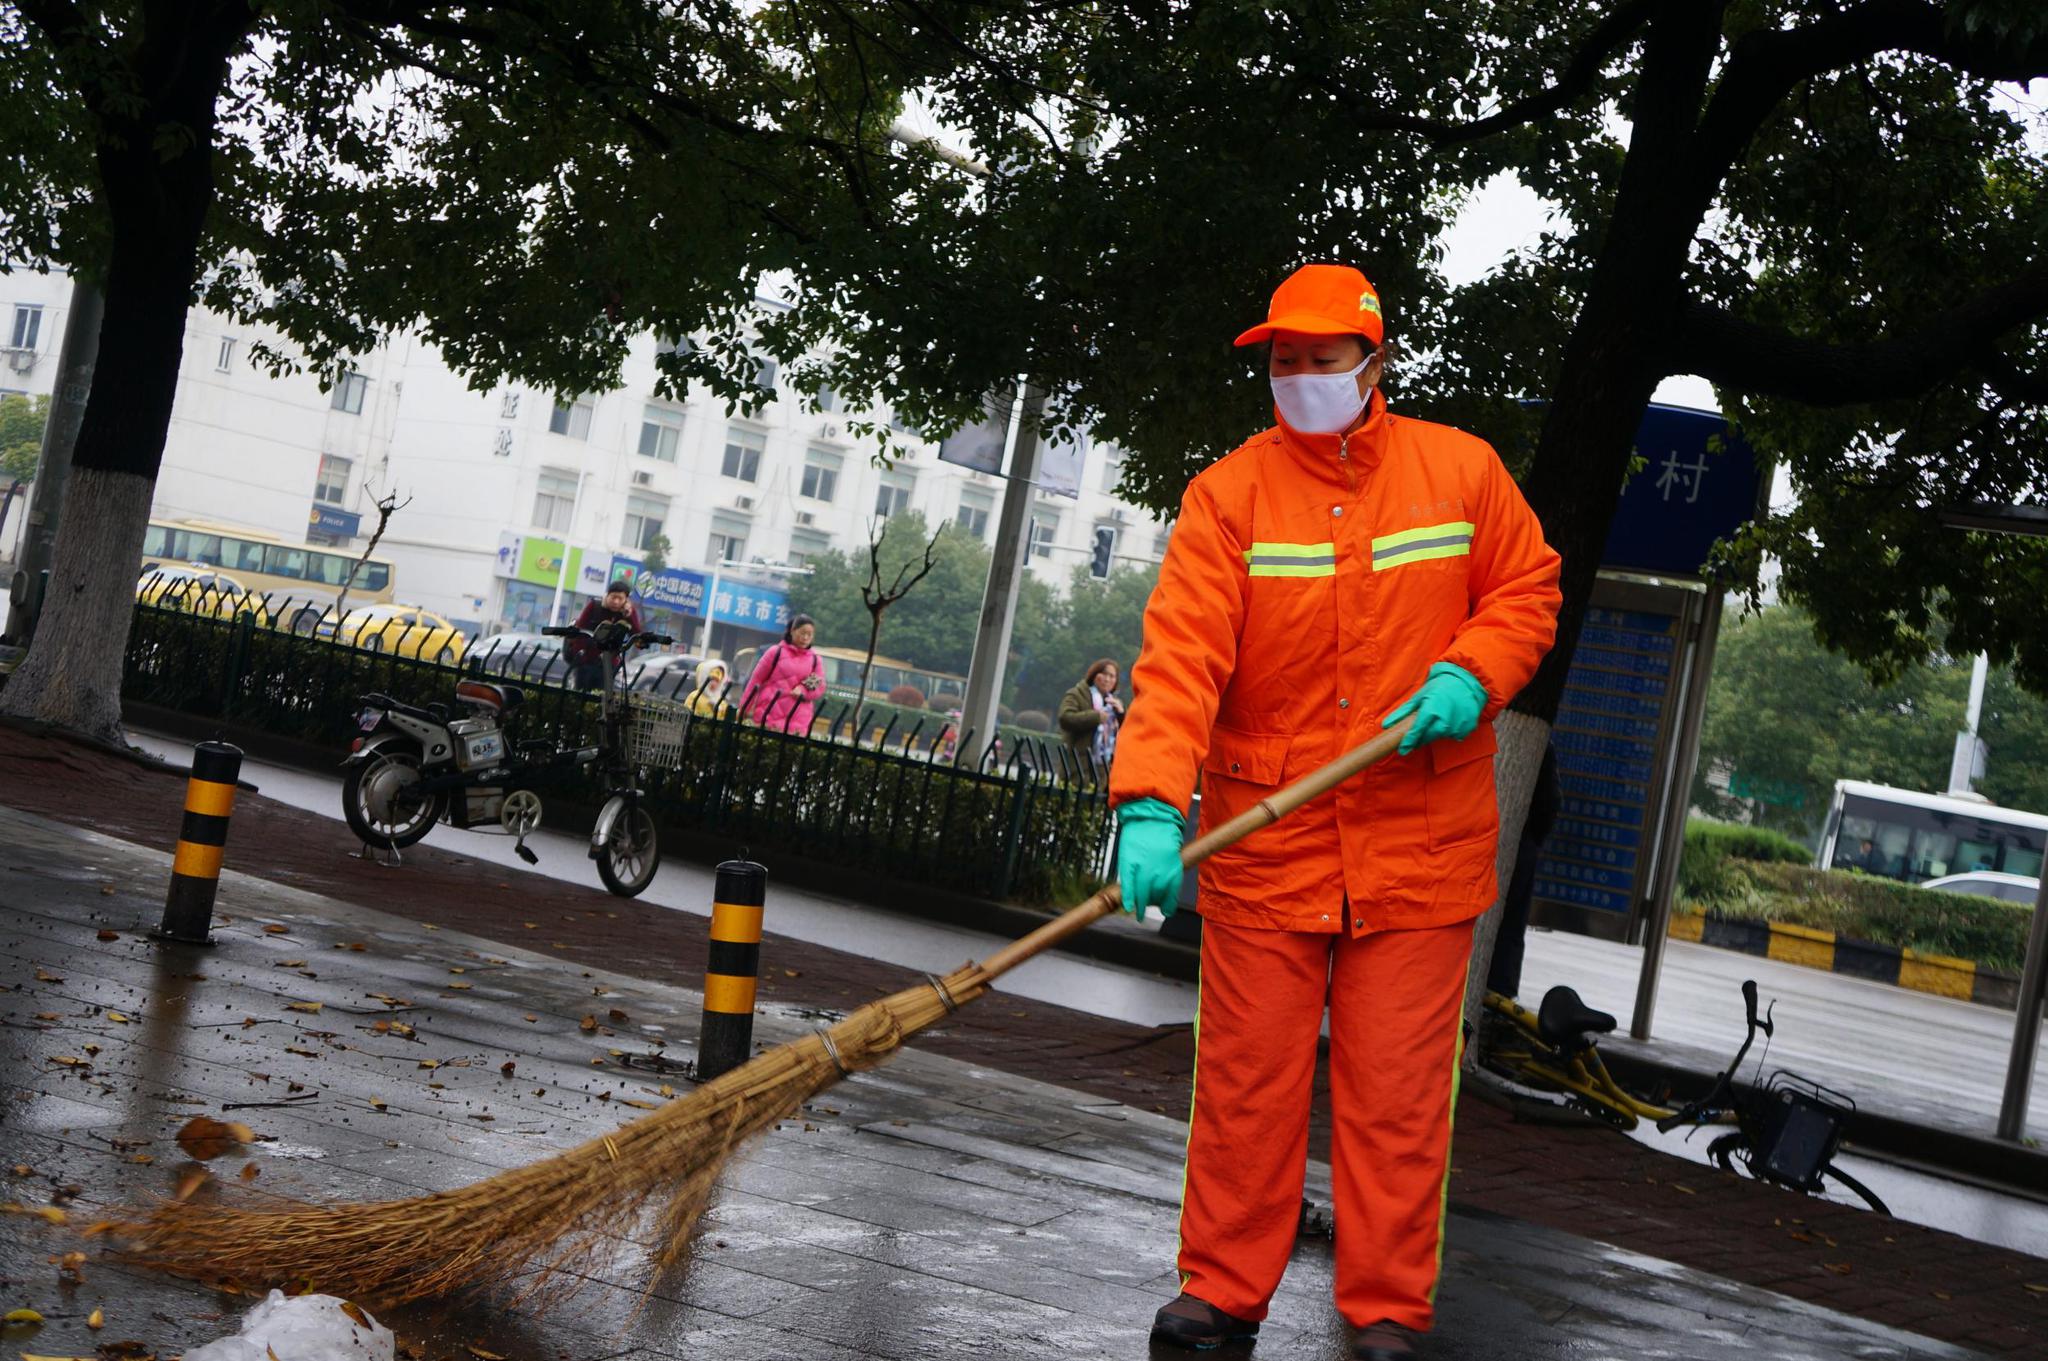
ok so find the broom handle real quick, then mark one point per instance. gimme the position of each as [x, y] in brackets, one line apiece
[1264, 813]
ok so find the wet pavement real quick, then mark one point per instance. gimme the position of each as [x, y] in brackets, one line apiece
[932, 1208]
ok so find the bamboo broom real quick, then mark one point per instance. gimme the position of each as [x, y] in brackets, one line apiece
[549, 1224]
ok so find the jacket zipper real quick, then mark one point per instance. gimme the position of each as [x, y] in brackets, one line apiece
[1344, 458]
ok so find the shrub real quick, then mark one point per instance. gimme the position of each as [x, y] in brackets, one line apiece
[1035, 720]
[907, 696]
[1745, 843]
[1005, 714]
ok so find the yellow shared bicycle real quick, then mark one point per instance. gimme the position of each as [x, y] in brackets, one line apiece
[1785, 1130]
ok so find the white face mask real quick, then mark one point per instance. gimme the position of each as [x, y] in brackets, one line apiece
[1321, 403]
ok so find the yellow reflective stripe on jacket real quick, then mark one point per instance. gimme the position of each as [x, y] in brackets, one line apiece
[1291, 559]
[1452, 540]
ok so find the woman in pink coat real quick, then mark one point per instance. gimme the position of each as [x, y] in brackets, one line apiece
[788, 681]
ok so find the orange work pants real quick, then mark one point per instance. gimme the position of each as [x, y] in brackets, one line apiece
[1396, 1001]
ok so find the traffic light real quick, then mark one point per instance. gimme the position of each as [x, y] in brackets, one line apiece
[1104, 552]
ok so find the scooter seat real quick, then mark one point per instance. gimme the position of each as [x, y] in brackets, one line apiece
[490, 695]
[1565, 1020]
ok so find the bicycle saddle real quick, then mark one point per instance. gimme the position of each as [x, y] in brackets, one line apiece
[1565, 1020]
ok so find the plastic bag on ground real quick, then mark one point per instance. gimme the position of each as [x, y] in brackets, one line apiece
[303, 1328]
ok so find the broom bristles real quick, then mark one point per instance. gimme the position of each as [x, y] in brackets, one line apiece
[554, 1220]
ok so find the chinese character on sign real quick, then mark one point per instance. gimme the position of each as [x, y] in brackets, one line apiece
[723, 602]
[1678, 474]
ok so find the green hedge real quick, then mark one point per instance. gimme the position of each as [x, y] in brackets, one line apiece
[1991, 932]
[1703, 836]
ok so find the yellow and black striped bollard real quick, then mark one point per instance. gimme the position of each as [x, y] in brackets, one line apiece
[733, 968]
[195, 872]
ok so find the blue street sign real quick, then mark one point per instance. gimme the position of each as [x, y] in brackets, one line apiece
[1699, 483]
[334, 520]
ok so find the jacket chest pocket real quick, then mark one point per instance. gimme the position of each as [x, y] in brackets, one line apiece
[1458, 796]
[1250, 757]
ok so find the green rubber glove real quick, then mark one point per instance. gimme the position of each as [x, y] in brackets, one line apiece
[1148, 856]
[1448, 705]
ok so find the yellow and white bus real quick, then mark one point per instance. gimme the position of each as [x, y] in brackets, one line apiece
[309, 576]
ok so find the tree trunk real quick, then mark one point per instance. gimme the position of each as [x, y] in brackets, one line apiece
[1605, 382]
[156, 191]
[867, 667]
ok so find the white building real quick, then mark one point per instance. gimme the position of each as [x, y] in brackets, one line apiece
[496, 485]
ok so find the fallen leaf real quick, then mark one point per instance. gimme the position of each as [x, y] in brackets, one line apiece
[381, 1027]
[377, 1103]
[48, 1213]
[357, 946]
[642, 1105]
[310, 1008]
[459, 987]
[531, 1017]
[588, 1023]
[96, 1319]
[204, 1138]
[289, 964]
[481, 1355]
[618, 1017]
[485, 1118]
[142, 1159]
[24, 1170]
[117, 1016]
[49, 1016]
[454, 970]
[273, 929]
[1839, 1268]
[45, 976]
[92, 1049]
[31, 1316]
[430, 1063]
[355, 1311]
[249, 1172]
[531, 926]
[401, 1029]
[71, 1061]
[109, 935]
[507, 1067]
[791, 973]
[190, 1182]
[2037, 1289]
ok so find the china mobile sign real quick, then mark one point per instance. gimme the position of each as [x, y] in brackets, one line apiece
[745, 604]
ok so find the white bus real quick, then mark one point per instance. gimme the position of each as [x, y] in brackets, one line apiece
[1916, 837]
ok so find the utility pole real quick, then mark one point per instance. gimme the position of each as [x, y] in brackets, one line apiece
[75, 361]
[1013, 545]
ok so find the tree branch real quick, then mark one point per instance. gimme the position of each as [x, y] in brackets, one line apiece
[1612, 33]
[1767, 64]
[1727, 350]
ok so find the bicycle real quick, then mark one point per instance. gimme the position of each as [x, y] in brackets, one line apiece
[1786, 1132]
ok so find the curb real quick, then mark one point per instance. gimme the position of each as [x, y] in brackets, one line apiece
[1942, 975]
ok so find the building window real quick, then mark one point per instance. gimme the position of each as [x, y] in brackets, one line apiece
[572, 420]
[821, 475]
[728, 544]
[1045, 527]
[806, 546]
[743, 453]
[554, 502]
[764, 375]
[644, 518]
[1112, 467]
[893, 496]
[972, 516]
[28, 325]
[661, 428]
[349, 391]
[828, 400]
[508, 405]
[224, 357]
[332, 484]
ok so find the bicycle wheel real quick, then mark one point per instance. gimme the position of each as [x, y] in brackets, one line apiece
[1855, 1188]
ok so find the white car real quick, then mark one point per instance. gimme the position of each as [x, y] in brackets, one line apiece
[2013, 888]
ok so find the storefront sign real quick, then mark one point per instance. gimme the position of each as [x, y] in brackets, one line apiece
[668, 589]
[749, 606]
[337, 524]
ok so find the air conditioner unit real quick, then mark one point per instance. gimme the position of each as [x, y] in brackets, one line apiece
[21, 361]
[643, 479]
[1116, 515]
[742, 503]
[806, 519]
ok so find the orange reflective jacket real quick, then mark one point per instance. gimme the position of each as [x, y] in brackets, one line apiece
[1310, 583]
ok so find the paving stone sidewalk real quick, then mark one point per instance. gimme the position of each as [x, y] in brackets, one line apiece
[1587, 1181]
[932, 1208]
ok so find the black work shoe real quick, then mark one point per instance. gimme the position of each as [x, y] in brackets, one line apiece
[1199, 1325]
[1382, 1341]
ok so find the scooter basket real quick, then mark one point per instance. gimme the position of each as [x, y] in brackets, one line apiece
[1801, 1129]
[654, 731]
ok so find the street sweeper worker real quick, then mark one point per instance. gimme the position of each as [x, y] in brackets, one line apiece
[1340, 572]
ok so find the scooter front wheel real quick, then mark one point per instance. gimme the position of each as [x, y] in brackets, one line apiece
[382, 803]
[631, 853]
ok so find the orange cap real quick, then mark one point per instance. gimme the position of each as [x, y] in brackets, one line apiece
[1322, 300]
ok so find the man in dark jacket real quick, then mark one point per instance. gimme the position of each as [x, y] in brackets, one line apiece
[586, 661]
